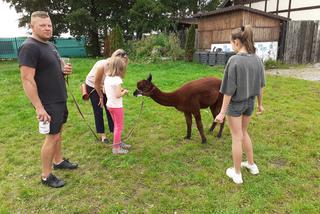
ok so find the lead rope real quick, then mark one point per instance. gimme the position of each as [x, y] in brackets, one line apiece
[136, 121]
[80, 112]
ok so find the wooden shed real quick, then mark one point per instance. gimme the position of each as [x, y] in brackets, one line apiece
[215, 27]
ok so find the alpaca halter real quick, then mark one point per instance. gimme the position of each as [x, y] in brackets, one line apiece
[147, 93]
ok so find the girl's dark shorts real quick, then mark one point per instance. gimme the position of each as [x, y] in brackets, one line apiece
[236, 109]
[59, 115]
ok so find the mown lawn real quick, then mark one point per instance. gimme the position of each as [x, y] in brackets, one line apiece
[163, 173]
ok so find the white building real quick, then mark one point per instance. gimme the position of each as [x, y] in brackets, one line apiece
[296, 10]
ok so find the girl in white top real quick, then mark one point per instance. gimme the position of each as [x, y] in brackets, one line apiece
[114, 91]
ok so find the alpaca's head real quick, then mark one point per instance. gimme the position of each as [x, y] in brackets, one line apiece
[144, 87]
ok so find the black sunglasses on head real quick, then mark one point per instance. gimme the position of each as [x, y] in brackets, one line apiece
[122, 54]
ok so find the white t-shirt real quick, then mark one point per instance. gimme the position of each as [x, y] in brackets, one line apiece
[91, 75]
[110, 84]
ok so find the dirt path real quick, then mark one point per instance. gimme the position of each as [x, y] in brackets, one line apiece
[311, 73]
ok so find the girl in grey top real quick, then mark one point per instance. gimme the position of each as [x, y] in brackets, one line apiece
[243, 80]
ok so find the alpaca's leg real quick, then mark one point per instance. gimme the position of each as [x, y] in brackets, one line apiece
[188, 117]
[221, 129]
[197, 116]
[212, 126]
[213, 112]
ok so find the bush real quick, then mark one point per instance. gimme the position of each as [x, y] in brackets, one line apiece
[174, 47]
[156, 48]
[271, 64]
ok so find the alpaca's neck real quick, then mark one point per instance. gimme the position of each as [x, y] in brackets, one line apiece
[165, 99]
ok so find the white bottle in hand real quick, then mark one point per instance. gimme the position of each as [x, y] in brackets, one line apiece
[44, 127]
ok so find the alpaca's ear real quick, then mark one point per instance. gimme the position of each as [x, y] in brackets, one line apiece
[149, 77]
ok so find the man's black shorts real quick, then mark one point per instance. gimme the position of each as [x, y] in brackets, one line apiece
[59, 115]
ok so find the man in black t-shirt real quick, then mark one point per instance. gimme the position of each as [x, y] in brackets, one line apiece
[42, 75]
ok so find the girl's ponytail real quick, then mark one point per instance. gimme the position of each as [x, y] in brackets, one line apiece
[248, 39]
[245, 35]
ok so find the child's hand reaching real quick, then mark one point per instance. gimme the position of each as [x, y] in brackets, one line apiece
[124, 91]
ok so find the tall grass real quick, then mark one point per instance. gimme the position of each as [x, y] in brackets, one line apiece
[163, 173]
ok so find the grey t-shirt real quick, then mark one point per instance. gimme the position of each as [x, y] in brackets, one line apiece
[243, 77]
[49, 78]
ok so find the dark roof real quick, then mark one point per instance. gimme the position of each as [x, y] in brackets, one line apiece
[239, 7]
[188, 21]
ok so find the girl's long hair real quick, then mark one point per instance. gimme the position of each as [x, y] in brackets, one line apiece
[117, 67]
[245, 35]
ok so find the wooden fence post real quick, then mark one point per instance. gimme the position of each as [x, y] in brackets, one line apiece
[315, 53]
[308, 38]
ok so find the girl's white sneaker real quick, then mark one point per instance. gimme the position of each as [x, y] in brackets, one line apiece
[124, 145]
[237, 178]
[253, 169]
[119, 151]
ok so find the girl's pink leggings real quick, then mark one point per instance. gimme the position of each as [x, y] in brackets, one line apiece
[117, 115]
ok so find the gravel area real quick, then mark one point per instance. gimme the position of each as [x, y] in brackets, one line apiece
[311, 73]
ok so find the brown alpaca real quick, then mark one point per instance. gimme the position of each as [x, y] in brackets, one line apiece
[189, 98]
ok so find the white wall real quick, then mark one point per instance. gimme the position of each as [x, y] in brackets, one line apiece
[294, 15]
[265, 50]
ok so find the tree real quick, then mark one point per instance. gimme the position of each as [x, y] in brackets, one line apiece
[106, 47]
[82, 24]
[179, 9]
[208, 5]
[116, 39]
[93, 19]
[189, 49]
[89, 18]
[147, 16]
[185, 8]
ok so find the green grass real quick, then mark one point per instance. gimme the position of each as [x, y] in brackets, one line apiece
[163, 173]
